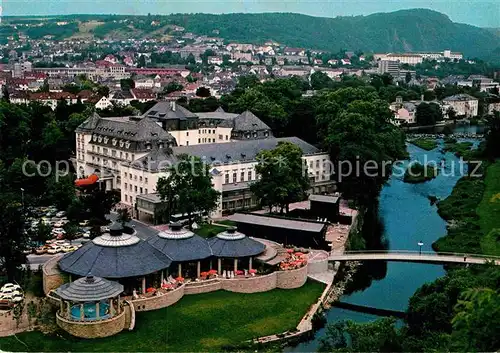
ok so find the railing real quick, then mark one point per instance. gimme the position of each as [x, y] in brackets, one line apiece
[416, 252]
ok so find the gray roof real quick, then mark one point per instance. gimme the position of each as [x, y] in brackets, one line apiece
[114, 262]
[179, 250]
[218, 153]
[169, 110]
[234, 244]
[243, 151]
[460, 97]
[261, 220]
[324, 198]
[89, 289]
[247, 121]
[138, 132]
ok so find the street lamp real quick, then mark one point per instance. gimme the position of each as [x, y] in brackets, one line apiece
[420, 244]
[22, 197]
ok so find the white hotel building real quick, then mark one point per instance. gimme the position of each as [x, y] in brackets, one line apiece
[132, 153]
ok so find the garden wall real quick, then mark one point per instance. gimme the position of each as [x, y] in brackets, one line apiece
[97, 329]
[291, 279]
[200, 287]
[52, 276]
[158, 302]
[251, 284]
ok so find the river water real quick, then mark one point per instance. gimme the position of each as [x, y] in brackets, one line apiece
[407, 217]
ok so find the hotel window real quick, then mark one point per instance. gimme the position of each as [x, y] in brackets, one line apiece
[140, 189]
[105, 151]
[234, 177]
[126, 198]
[130, 176]
[227, 137]
[187, 133]
[146, 180]
[135, 188]
[125, 186]
[317, 163]
[226, 179]
[199, 140]
[249, 175]
[130, 187]
[317, 175]
[187, 143]
[242, 176]
[140, 179]
[93, 148]
[221, 137]
[310, 164]
[213, 140]
[213, 132]
[135, 177]
[126, 155]
[98, 149]
[121, 154]
[145, 191]
[113, 153]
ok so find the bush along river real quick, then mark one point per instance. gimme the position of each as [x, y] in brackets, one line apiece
[403, 217]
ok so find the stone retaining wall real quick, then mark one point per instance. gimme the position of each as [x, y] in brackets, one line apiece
[96, 329]
[251, 284]
[203, 288]
[292, 278]
[52, 276]
[158, 302]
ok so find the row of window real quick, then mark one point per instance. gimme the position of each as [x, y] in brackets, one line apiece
[134, 177]
[114, 141]
[114, 153]
[135, 188]
[235, 175]
[105, 163]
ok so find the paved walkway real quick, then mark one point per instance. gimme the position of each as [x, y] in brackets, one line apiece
[411, 256]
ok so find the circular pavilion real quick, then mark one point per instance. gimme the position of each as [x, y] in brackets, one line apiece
[117, 255]
[234, 246]
[90, 307]
[184, 248]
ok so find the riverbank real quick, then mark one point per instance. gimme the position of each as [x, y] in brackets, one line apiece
[472, 213]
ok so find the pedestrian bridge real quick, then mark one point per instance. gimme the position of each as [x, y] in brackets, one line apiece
[415, 256]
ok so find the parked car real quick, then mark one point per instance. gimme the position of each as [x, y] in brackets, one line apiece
[60, 214]
[11, 286]
[69, 248]
[58, 224]
[41, 250]
[84, 223]
[54, 249]
[58, 230]
[18, 297]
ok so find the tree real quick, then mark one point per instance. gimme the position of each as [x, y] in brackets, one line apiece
[203, 92]
[61, 191]
[43, 232]
[493, 135]
[283, 179]
[173, 87]
[103, 91]
[71, 230]
[142, 61]
[188, 188]
[408, 77]
[477, 321]
[320, 80]
[451, 113]
[32, 312]
[377, 336]
[124, 216]
[13, 238]
[428, 114]
[127, 84]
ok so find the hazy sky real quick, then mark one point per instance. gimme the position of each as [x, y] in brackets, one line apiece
[483, 13]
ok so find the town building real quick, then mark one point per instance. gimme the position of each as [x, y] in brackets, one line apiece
[464, 104]
[132, 153]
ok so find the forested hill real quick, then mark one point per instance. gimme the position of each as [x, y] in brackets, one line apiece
[405, 30]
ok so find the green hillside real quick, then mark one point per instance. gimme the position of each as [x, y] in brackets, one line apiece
[405, 30]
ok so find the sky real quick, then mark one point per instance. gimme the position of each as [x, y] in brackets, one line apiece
[482, 13]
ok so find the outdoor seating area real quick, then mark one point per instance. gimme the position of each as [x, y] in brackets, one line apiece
[293, 260]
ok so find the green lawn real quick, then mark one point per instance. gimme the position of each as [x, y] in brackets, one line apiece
[489, 211]
[460, 149]
[209, 230]
[426, 144]
[203, 322]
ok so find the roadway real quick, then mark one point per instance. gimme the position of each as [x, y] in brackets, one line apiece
[410, 256]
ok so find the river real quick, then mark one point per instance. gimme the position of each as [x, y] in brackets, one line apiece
[407, 217]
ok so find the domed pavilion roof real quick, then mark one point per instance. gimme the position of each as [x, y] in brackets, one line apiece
[231, 243]
[115, 255]
[180, 244]
[89, 289]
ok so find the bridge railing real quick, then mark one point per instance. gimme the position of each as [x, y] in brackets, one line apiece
[413, 252]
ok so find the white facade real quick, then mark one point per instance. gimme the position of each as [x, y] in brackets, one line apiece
[463, 104]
